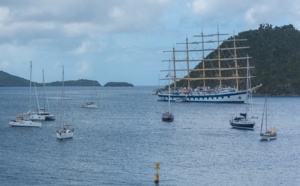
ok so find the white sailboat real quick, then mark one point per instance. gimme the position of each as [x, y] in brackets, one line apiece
[65, 131]
[243, 121]
[23, 120]
[41, 113]
[168, 116]
[268, 134]
[92, 104]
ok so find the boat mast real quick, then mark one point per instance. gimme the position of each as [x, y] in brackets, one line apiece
[37, 99]
[219, 59]
[30, 86]
[247, 87]
[174, 70]
[62, 99]
[169, 90]
[216, 62]
[263, 114]
[203, 61]
[187, 62]
[266, 113]
[236, 65]
[44, 91]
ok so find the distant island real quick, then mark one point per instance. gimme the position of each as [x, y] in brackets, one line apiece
[80, 82]
[8, 80]
[118, 84]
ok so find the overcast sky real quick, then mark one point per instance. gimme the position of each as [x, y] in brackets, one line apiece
[119, 40]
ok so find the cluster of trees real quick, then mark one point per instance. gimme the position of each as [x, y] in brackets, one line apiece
[118, 84]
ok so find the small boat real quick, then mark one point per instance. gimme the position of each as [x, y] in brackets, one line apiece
[271, 133]
[242, 121]
[23, 120]
[65, 131]
[90, 105]
[168, 116]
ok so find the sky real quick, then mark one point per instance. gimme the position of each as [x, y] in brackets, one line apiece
[119, 40]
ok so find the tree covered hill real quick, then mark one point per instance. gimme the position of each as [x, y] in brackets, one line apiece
[276, 57]
[275, 53]
[11, 80]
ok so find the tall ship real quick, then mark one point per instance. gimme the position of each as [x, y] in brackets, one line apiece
[220, 73]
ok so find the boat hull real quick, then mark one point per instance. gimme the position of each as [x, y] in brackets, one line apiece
[49, 118]
[242, 124]
[90, 106]
[64, 135]
[25, 123]
[37, 117]
[167, 117]
[234, 97]
[266, 136]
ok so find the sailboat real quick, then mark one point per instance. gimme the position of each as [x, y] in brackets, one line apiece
[23, 120]
[168, 116]
[268, 134]
[65, 131]
[243, 121]
[92, 104]
[223, 64]
[41, 113]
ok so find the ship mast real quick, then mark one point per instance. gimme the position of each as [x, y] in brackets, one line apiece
[174, 69]
[187, 61]
[219, 60]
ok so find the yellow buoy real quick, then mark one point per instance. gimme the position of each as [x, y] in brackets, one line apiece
[156, 177]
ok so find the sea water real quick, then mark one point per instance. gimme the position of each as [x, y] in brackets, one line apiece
[120, 142]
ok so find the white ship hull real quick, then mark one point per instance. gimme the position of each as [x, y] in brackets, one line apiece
[36, 117]
[234, 97]
[25, 123]
[42, 117]
[90, 106]
[64, 135]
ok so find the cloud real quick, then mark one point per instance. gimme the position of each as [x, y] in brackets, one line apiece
[82, 48]
[85, 35]
[256, 14]
[247, 12]
[4, 14]
[83, 69]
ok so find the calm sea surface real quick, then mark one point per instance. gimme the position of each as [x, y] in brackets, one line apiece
[119, 143]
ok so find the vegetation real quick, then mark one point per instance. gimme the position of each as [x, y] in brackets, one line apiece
[118, 84]
[80, 82]
[10, 80]
[274, 52]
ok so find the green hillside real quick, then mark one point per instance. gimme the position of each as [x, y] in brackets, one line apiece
[275, 53]
[11, 80]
